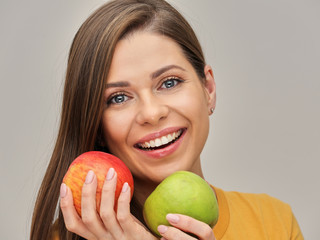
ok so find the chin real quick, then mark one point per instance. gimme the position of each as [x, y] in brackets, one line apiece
[165, 171]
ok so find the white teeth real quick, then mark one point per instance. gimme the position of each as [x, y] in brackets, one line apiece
[161, 141]
[164, 140]
[158, 142]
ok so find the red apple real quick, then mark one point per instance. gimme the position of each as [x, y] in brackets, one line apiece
[99, 162]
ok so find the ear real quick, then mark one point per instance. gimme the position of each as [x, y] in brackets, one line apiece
[210, 88]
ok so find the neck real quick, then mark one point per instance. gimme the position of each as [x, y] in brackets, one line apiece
[143, 189]
[141, 192]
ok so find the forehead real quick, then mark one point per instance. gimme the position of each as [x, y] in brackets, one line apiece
[143, 53]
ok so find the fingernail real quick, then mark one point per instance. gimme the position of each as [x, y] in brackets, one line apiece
[89, 177]
[110, 174]
[125, 187]
[172, 218]
[63, 190]
[162, 229]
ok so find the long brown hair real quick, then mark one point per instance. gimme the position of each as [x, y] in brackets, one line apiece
[82, 107]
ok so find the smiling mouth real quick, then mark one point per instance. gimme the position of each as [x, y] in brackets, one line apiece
[161, 142]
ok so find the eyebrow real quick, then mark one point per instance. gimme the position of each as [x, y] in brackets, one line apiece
[165, 69]
[153, 76]
[118, 84]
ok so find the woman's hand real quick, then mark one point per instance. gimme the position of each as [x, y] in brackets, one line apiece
[181, 224]
[109, 225]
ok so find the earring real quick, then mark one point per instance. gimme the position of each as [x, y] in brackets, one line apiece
[211, 110]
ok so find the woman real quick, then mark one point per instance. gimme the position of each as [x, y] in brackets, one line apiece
[137, 86]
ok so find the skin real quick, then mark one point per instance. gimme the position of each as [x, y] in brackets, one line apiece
[151, 90]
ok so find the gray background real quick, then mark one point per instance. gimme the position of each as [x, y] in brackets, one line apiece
[265, 134]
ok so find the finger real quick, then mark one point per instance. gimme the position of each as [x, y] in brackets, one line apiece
[172, 233]
[89, 213]
[191, 225]
[123, 211]
[71, 218]
[107, 212]
[129, 224]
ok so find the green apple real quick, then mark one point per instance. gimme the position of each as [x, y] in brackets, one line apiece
[182, 192]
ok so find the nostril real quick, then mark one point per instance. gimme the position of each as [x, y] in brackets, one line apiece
[152, 113]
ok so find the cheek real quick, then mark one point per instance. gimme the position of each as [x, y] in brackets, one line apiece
[115, 128]
[194, 106]
[192, 103]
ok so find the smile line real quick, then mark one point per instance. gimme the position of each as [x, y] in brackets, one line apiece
[160, 142]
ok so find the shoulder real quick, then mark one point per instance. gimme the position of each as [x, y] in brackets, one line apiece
[261, 204]
[257, 214]
[274, 214]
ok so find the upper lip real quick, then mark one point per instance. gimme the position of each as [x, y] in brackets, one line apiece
[159, 134]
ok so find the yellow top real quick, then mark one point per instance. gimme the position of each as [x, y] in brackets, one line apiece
[254, 216]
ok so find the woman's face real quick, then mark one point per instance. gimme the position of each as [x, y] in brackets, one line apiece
[156, 115]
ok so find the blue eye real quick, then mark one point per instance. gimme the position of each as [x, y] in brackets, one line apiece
[118, 99]
[170, 83]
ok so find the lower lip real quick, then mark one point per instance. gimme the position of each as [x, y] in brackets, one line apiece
[163, 152]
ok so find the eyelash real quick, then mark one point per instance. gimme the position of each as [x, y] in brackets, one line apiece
[113, 96]
[177, 80]
[111, 99]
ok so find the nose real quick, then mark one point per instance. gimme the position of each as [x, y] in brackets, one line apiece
[151, 110]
